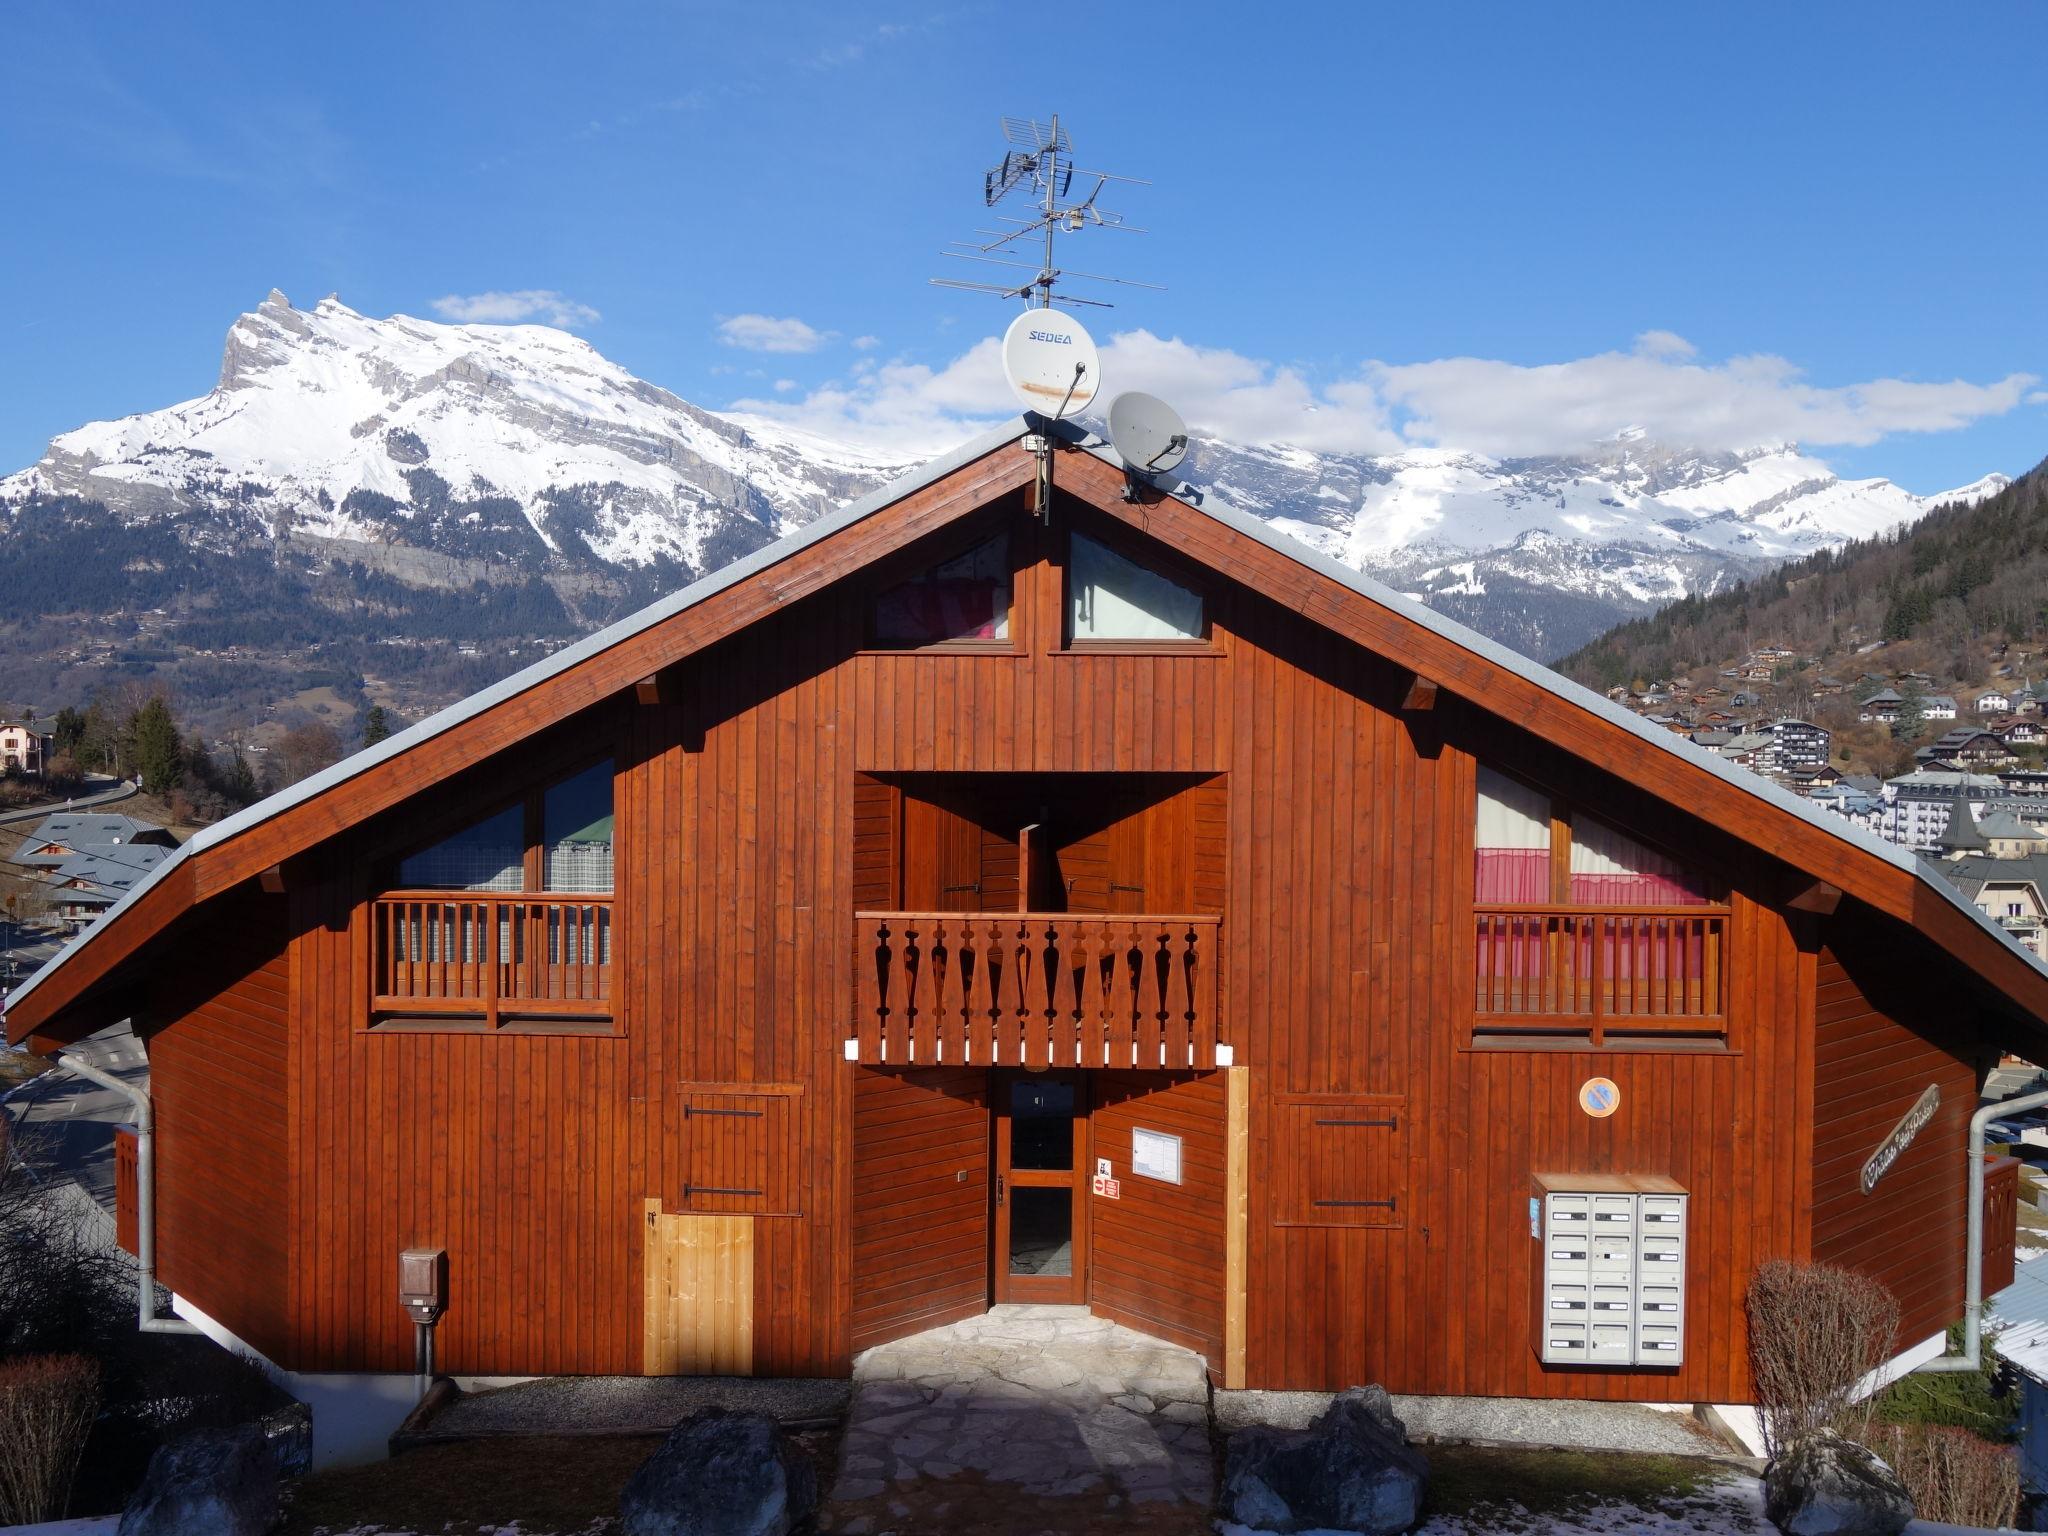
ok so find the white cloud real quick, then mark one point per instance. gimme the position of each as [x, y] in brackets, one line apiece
[865, 343]
[784, 386]
[1508, 409]
[542, 304]
[1467, 404]
[770, 333]
[1668, 344]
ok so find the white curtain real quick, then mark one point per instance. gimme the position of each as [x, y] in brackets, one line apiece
[1510, 841]
[1611, 868]
[1111, 598]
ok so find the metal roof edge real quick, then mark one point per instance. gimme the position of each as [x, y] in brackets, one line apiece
[442, 721]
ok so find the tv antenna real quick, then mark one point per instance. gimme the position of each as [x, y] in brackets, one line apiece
[1041, 157]
[1050, 361]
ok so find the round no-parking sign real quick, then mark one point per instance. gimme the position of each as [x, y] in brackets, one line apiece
[1599, 1097]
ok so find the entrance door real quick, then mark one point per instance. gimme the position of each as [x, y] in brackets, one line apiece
[1041, 1239]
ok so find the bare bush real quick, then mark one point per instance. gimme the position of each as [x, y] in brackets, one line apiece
[1815, 1331]
[47, 1403]
[1955, 1476]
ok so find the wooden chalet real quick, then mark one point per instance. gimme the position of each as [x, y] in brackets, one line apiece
[1128, 907]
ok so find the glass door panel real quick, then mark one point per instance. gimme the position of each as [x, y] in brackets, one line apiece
[1041, 1151]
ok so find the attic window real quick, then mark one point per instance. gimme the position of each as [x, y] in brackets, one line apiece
[1112, 597]
[558, 838]
[963, 600]
[1584, 935]
[505, 924]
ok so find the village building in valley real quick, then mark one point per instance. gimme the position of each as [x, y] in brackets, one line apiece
[1002, 890]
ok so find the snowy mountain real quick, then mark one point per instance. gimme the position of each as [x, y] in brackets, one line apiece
[447, 455]
[1544, 554]
[514, 443]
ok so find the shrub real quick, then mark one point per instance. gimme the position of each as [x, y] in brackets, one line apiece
[1954, 1476]
[47, 1403]
[1815, 1332]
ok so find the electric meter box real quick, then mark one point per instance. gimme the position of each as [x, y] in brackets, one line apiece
[1610, 1282]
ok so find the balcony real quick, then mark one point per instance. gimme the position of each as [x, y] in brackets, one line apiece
[1583, 971]
[485, 959]
[1036, 990]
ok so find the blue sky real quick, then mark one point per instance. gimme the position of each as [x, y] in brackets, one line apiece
[1502, 227]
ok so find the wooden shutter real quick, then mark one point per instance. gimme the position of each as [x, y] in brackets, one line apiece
[741, 1149]
[1339, 1160]
[877, 845]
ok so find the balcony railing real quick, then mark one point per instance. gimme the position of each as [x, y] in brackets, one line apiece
[491, 956]
[1036, 990]
[1632, 969]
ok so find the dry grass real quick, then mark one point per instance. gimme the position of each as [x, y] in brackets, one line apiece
[547, 1484]
[1954, 1475]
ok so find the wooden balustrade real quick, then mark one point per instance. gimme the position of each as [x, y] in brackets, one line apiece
[491, 956]
[1634, 969]
[1036, 989]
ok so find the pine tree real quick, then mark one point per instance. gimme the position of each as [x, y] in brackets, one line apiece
[159, 754]
[1912, 722]
[375, 725]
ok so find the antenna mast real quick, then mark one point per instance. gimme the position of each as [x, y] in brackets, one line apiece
[1041, 157]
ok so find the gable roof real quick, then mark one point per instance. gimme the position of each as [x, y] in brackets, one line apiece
[1201, 527]
[82, 830]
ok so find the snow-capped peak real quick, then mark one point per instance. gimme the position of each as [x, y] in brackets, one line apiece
[523, 444]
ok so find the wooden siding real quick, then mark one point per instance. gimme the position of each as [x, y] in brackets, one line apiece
[1885, 1028]
[1331, 829]
[920, 1201]
[1156, 1253]
[218, 1044]
[504, 1149]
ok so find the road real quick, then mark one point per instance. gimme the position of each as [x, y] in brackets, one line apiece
[121, 791]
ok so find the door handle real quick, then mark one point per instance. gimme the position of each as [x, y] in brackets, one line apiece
[1000, 1189]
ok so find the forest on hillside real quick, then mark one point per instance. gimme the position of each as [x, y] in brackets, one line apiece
[1936, 596]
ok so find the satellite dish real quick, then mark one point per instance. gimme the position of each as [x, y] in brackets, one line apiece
[1050, 362]
[1148, 433]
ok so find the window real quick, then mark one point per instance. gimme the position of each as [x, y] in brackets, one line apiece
[557, 839]
[961, 600]
[1112, 597]
[506, 922]
[1583, 933]
[1519, 834]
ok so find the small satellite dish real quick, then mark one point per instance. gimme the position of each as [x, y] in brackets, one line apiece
[1050, 362]
[1148, 433]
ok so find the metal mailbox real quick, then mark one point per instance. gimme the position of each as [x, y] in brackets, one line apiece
[1611, 1283]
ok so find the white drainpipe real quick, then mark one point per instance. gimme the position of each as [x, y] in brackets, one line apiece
[145, 1195]
[1971, 1359]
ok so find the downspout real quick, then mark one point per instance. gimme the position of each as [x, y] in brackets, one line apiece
[1971, 1359]
[145, 1195]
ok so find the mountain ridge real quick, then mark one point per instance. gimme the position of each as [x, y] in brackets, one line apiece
[383, 466]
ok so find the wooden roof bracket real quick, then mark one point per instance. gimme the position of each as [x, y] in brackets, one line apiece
[1418, 714]
[1815, 896]
[663, 687]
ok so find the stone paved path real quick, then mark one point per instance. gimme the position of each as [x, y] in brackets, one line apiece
[978, 1425]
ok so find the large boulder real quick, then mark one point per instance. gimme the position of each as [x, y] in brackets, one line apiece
[1825, 1485]
[212, 1482]
[1351, 1470]
[720, 1473]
